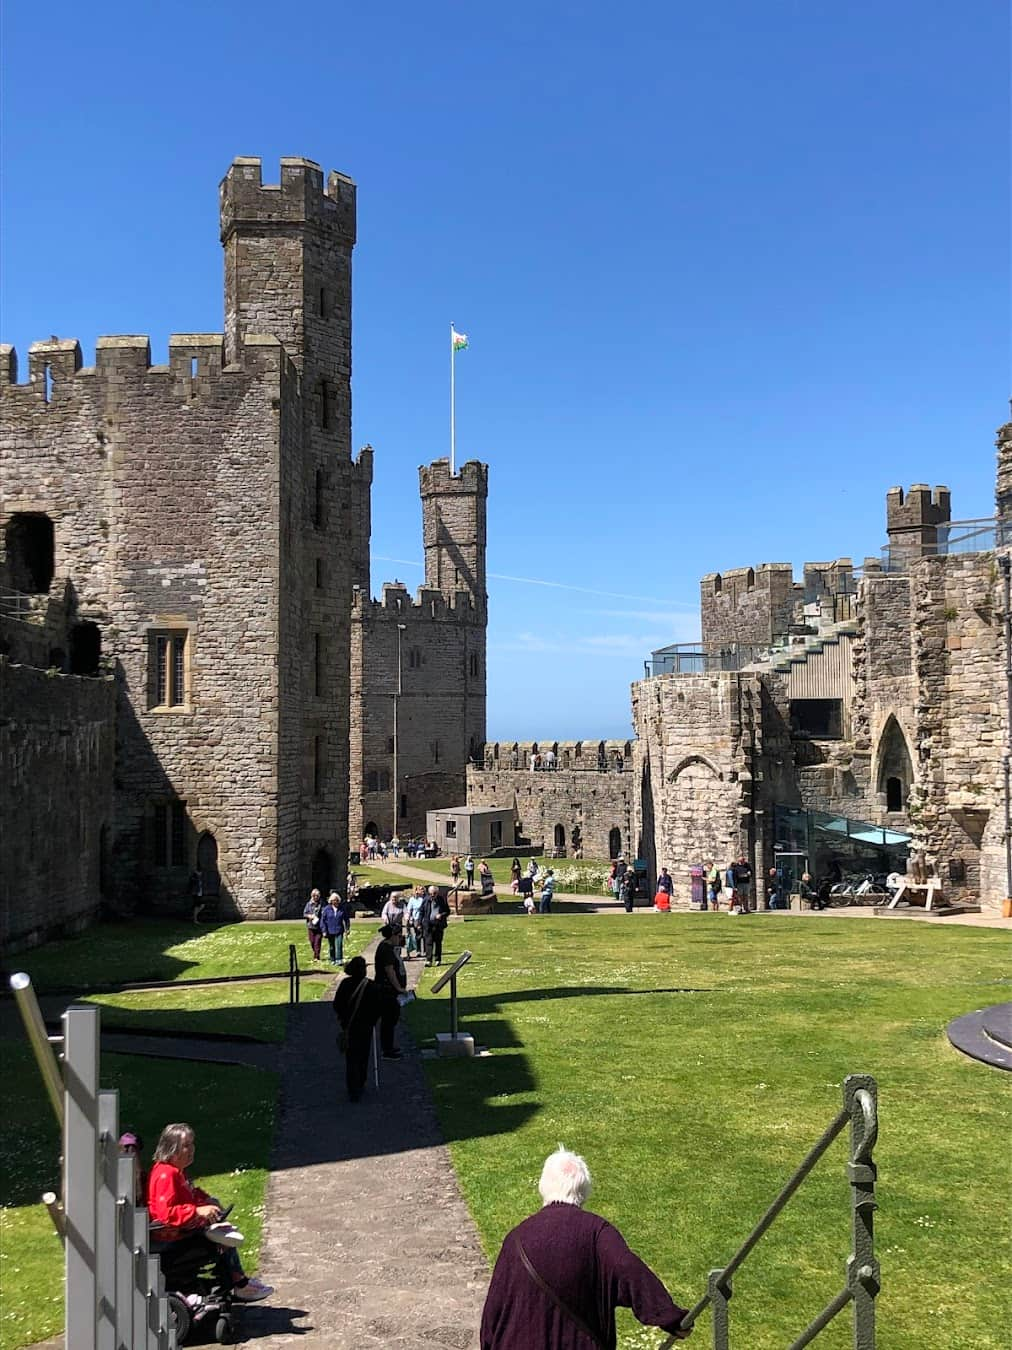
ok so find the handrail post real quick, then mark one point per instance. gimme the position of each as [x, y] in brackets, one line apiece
[719, 1290]
[860, 1094]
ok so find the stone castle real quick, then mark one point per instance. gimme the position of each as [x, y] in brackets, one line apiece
[843, 724]
[197, 687]
[193, 680]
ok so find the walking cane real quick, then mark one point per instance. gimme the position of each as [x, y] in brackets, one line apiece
[375, 1059]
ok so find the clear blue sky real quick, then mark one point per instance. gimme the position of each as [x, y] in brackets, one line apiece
[729, 268]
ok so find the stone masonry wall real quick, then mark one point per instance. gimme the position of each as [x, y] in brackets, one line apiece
[56, 770]
[748, 606]
[588, 800]
[961, 732]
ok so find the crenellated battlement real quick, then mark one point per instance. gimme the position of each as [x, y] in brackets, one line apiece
[57, 375]
[920, 506]
[427, 605]
[301, 197]
[557, 755]
[470, 479]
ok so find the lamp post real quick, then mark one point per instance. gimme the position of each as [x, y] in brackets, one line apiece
[397, 699]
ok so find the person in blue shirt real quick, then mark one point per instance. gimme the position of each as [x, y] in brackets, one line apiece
[547, 891]
[413, 922]
[335, 921]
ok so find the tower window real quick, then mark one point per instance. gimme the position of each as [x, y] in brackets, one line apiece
[322, 303]
[319, 574]
[168, 668]
[318, 500]
[377, 780]
[472, 663]
[414, 657]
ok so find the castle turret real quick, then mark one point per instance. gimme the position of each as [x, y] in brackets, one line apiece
[453, 528]
[915, 520]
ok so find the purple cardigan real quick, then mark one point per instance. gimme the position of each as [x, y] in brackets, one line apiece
[587, 1263]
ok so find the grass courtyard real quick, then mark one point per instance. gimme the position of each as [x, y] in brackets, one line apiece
[694, 1059]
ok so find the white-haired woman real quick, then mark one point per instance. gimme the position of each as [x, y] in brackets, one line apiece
[562, 1273]
[183, 1213]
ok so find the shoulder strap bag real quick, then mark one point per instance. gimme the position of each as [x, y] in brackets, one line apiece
[563, 1307]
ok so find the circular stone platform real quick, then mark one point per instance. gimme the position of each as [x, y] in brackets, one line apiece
[985, 1035]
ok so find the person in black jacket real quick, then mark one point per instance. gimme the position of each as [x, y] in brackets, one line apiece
[390, 983]
[435, 915]
[358, 1007]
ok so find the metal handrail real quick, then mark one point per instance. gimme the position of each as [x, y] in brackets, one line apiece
[294, 974]
[860, 1109]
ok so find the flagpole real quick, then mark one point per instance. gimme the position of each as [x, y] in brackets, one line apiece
[453, 417]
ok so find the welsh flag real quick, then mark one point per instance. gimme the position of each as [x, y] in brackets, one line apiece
[459, 340]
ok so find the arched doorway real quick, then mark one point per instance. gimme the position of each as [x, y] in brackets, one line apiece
[207, 864]
[895, 769]
[30, 551]
[322, 871]
[371, 829]
[614, 842]
[560, 836]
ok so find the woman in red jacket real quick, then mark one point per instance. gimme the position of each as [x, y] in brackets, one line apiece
[184, 1213]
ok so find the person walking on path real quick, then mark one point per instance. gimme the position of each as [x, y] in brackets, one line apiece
[547, 892]
[335, 921]
[469, 872]
[391, 986]
[358, 1007]
[515, 875]
[455, 871]
[312, 915]
[713, 884]
[394, 912]
[413, 922]
[435, 915]
[562, 1273]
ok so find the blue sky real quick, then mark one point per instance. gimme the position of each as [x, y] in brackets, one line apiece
[729, 269]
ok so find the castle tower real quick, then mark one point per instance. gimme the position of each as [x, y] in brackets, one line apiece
[288, 250]
[453, 528]
[1003, 487]
[914, 521]
[418, 680]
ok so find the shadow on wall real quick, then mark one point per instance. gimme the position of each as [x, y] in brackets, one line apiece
[163, 860]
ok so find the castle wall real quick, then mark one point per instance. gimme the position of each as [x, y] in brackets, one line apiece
[959, 658]
[746, 606]
[56, 771]
[588, 803]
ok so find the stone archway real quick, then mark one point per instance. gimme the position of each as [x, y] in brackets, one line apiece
[895, 776]
[207, 864]
[322, 871]
[701, 816]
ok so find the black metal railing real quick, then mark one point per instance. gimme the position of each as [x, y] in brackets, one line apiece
[294, 974]
[860, 1111]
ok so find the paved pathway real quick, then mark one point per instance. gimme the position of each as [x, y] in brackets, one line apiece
[368, 1241]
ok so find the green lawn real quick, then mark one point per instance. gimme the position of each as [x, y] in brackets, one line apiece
[167, 949]
[586, 877]
[257, 1010]
[694, 1060]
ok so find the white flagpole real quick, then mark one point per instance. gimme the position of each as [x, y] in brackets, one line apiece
[453, 417]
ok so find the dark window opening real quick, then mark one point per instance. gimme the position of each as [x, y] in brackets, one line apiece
[894, 794]
[750, 580]
[450, 829]
[377, 780]
[495, 834]
[319, 574]
[560, 836]
[322, 302]
[207, 865]
[390, 745]
[614, 842]
[317, 664]
[415, 658]
[30, 552]
[819, 717]
[434, 747]
[404, 804]
[472, 664]
[718, 584]
[85, 648]
[318, 500]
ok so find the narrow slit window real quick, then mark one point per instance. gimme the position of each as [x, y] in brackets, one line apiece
[317, 665]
